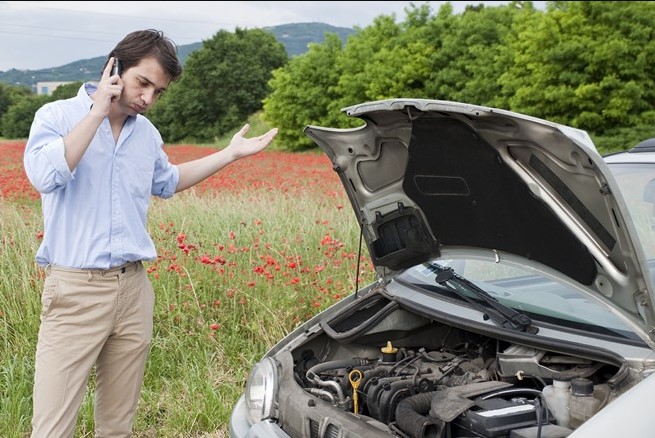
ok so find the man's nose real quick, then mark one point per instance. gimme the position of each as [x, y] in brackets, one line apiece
[148, 97]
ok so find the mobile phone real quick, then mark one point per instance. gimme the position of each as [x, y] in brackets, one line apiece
[116, 69]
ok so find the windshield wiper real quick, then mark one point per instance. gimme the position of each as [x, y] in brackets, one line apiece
[501, 314]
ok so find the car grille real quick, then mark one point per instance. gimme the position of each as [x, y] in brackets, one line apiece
[331, 431]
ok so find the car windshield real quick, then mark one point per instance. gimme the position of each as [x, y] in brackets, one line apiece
[539, 297]
[637, 183]
[546, 299]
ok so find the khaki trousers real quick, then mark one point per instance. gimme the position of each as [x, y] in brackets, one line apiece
[91, 317]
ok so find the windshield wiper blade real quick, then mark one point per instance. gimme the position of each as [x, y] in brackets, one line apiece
[501, 314]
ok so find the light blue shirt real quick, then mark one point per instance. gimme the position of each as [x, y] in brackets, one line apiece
[96, 215]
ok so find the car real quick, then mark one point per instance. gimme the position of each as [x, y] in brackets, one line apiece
[514, 286]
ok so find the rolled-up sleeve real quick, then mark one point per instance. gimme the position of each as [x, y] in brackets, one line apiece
[165, 177]
[44, 160]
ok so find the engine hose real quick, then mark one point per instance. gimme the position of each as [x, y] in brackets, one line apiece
[334, 365]
[511, 391]
[323, 394]
[352, 334]
[411, 417]
[334, 385]
[313, 373]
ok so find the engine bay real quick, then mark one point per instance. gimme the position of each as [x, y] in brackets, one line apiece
[421, 378]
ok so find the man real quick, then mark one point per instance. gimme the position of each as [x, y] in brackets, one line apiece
[96, 160]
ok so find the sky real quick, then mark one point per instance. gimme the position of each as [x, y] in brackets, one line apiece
[42, 34]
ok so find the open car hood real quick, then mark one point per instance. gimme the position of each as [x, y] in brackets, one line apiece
[427, 176]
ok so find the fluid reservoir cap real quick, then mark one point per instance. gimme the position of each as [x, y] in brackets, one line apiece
[389, 353]
[581, 386]
[389, 349]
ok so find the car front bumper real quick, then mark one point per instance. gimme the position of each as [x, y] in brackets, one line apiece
[240, 428]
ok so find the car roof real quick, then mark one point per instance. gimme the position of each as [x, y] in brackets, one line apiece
[643, 152]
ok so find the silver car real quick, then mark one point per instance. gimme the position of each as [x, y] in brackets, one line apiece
[514, 293]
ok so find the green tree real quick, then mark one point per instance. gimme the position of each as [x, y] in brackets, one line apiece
[9, 95]
[17, 120]
[353, 85]
[66, 91]
[588, 64]
[470, 57]
[401, 66]
[385, 60]
[302, 91]
[224, 82]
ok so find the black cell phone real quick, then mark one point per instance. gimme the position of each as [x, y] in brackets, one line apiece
[116, 69]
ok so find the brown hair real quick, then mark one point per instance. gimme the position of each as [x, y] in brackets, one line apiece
[142, 44]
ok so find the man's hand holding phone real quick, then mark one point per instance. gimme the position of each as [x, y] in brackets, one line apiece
[110, 88]
[116, 69]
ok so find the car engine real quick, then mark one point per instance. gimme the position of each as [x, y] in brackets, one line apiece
[425, 379]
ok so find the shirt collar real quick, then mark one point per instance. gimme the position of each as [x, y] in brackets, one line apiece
[85, 92]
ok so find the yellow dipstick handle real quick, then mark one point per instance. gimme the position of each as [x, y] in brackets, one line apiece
[355, 377]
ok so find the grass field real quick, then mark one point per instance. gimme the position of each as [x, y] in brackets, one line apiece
[242, 259]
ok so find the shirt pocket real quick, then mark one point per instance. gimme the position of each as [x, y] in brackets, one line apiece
[138, 175]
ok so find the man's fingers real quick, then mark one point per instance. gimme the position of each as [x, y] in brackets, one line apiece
[107, 71]
[244, 130]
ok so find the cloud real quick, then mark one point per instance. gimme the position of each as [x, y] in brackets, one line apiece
[44, 34]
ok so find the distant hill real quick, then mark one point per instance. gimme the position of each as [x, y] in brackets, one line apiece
[295, 37]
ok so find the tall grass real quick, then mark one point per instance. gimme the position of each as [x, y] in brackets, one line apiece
[234, 274]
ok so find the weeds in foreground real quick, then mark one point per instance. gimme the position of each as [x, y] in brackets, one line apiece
[237, 270]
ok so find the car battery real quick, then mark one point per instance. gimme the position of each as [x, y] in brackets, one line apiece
[497, 417]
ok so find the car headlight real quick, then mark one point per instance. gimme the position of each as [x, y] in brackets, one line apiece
[261, 390]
